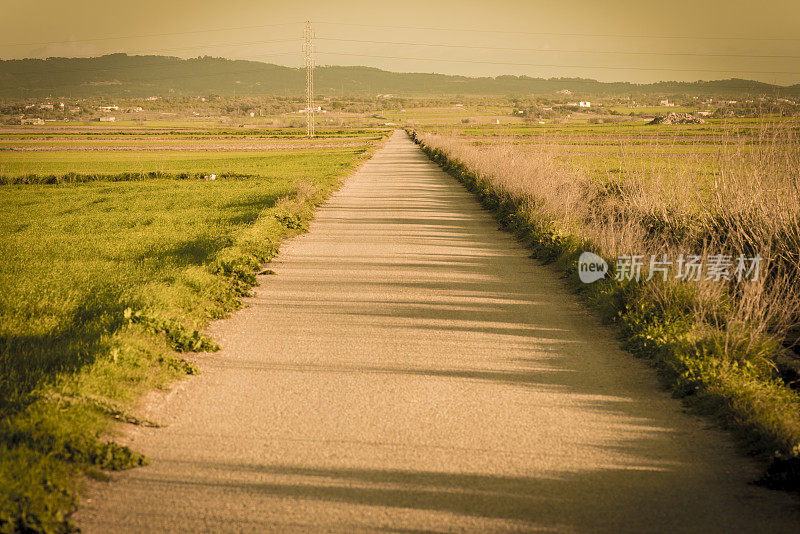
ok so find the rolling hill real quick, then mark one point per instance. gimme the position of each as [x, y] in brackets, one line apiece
[122, 75]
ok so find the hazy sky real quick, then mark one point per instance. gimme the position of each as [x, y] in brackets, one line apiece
[608, 40]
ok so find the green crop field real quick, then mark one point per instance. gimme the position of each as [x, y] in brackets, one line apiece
[105, 283]
[190, 130]
[313, 162]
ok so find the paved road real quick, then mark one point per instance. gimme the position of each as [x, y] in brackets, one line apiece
[410, 369]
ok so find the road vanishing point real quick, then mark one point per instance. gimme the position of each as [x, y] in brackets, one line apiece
[409, 369]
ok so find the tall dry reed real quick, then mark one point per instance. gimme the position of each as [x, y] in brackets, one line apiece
[734, 193]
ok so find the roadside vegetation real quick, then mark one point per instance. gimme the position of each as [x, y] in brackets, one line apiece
[106, 286]
[726, 346]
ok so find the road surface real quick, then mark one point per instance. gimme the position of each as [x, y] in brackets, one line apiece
[409, 369]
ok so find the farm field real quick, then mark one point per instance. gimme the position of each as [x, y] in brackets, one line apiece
[167, 130]
[104, 280]
[22, 145]
[609, 149]
[196, 162]
[172, 152]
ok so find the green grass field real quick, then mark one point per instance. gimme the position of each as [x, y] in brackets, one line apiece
[183, 143]
[106, 283]
[308, 162]
[158, 129]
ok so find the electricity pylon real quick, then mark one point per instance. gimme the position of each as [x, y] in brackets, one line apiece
[308, 49]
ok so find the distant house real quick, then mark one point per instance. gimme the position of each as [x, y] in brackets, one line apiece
[152, 98]
[107, 119]
[585, 104]
[75, 110]
[35, 121]
[45, 106]
[564, 92]
[667, 103]
[108, 109]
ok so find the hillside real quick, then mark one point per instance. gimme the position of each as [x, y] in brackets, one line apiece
[137, 76]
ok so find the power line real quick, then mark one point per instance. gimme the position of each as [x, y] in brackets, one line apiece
[308, 50]
[81, 70]
[615, 35]
[150, 51]
[124, 67]
[423, 28]
[475, 47]
[510, 63]
[182, 76]
[167, 34]
[211, 45]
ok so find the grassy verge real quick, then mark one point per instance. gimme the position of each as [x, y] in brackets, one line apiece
[104, 285]
[727, 371]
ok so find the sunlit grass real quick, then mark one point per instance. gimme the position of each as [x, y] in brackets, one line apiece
[101, 282]
[311, 162]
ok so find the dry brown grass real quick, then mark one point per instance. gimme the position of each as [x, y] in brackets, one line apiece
[740, 194]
